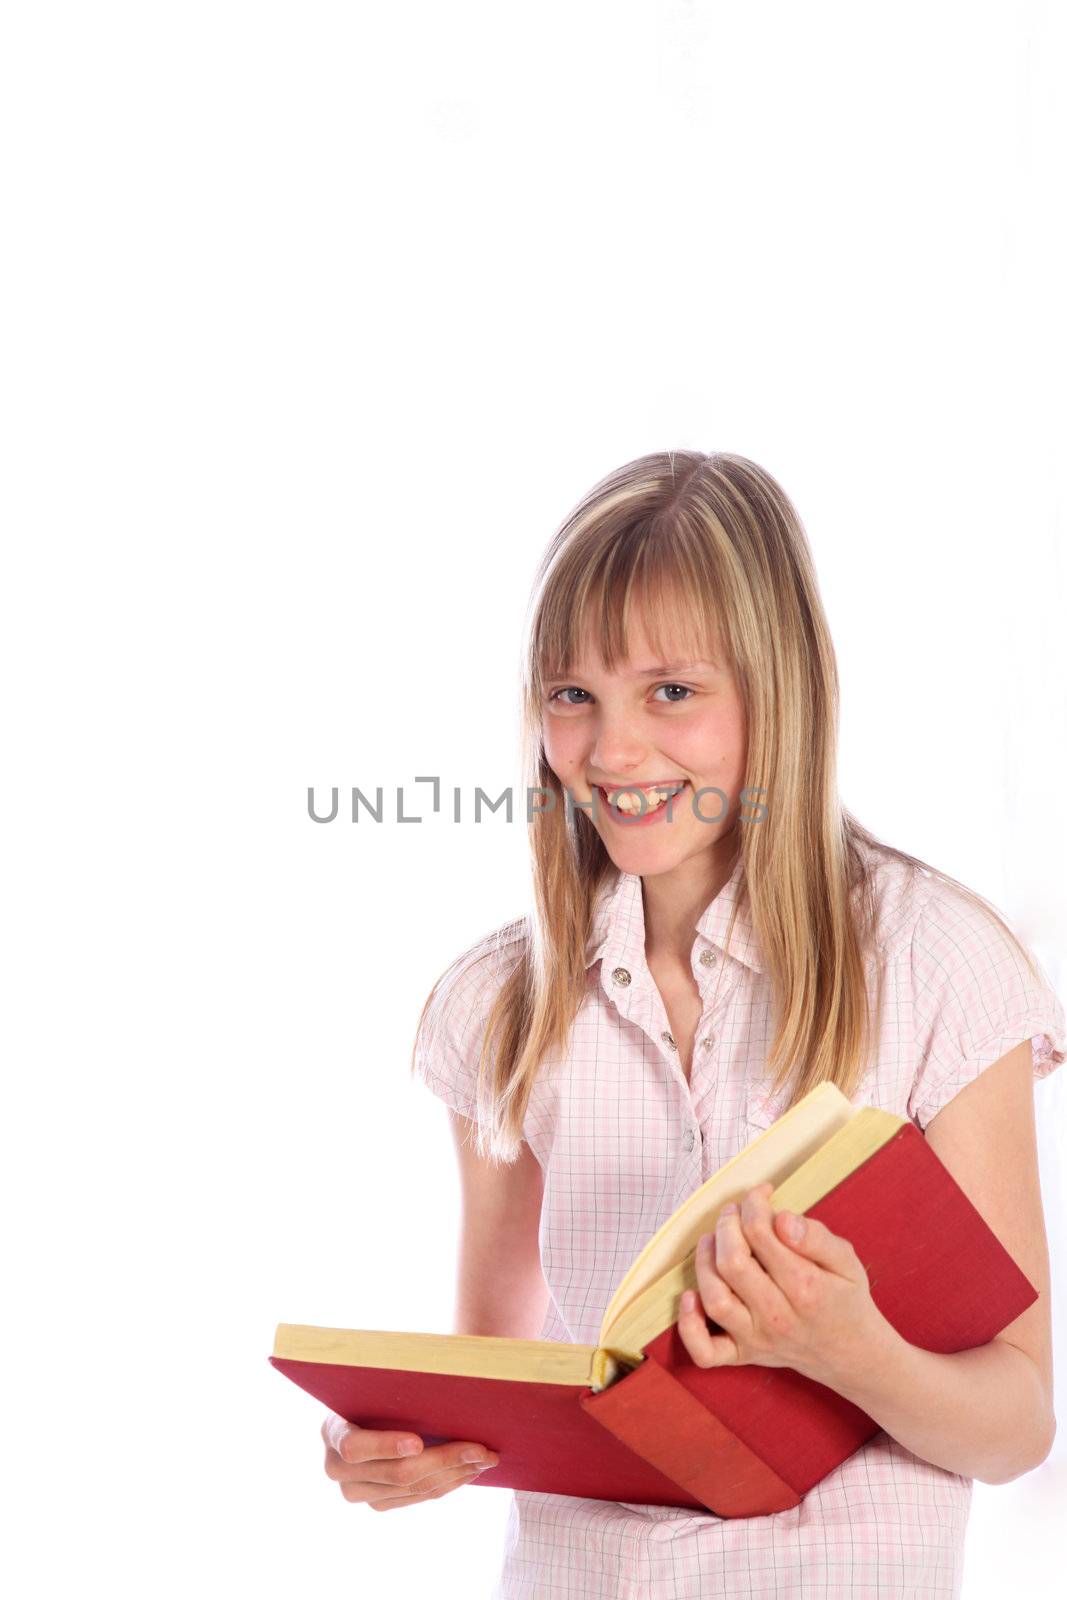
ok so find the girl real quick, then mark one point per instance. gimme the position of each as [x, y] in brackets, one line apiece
[712, 933]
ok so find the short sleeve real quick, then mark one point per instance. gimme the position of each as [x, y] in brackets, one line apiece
[449, 1041]
[974, 1000]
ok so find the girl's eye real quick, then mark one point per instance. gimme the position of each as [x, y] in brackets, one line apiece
[678, 699]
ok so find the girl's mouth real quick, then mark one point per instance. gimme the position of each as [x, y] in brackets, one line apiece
[633, 811]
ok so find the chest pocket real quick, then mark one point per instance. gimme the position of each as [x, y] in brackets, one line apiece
[761, 1111]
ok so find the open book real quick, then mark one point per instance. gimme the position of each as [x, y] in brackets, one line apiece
[633, 1418]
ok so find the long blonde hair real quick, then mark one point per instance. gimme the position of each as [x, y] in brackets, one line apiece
[707, 546]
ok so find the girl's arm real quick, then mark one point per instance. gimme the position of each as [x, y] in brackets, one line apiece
[982, 1412]
[500, 1287]
[985, 1413]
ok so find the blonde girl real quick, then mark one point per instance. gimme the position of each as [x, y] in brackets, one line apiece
[711, 934]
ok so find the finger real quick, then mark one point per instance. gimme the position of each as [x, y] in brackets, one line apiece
[787, 1276]
[354, 1443]
[456, 1458]
[818, 1243]
[429, 1488]
[392, 1503]
[386, 1475]
[733, 1258]
[717, 1298]
[399, 1475]
[707, 1349]
[749, 1277]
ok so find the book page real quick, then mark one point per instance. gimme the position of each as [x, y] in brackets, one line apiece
[770, 1158]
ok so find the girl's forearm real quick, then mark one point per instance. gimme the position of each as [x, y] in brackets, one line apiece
[982, 1412]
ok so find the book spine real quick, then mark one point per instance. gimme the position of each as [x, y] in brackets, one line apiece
[659, 1420]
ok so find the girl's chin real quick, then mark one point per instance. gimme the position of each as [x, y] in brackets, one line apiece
[644, 844]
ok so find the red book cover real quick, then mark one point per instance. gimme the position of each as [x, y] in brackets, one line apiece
[738, 1441]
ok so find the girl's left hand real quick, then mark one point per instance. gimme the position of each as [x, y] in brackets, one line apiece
[803, 1303]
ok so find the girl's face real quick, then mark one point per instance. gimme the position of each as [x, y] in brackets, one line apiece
[677, 723]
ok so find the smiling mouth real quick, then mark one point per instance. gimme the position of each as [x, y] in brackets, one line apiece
[628, 803]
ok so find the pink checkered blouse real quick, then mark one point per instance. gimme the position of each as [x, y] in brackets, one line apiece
[623, 1139]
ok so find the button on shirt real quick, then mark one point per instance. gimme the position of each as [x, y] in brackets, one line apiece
[623, 1139]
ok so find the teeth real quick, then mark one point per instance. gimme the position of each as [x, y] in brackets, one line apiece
[630, 804]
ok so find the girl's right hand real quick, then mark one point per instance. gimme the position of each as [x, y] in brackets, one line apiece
[368, 1467]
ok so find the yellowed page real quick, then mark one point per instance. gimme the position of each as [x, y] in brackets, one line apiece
[656, 1307]
[770, 1157]
[459, 1354]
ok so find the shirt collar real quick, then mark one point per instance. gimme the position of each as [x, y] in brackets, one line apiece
[618, 927]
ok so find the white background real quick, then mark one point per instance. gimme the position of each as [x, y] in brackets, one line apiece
[317, 320]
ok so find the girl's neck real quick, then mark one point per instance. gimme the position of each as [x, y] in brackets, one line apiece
[675, 901]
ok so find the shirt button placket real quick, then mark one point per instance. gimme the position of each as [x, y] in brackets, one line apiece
[708, 958]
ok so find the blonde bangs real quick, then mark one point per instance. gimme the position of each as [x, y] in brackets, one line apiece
[658, 578]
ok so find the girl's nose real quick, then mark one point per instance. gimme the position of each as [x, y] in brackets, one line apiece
[617, 749]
